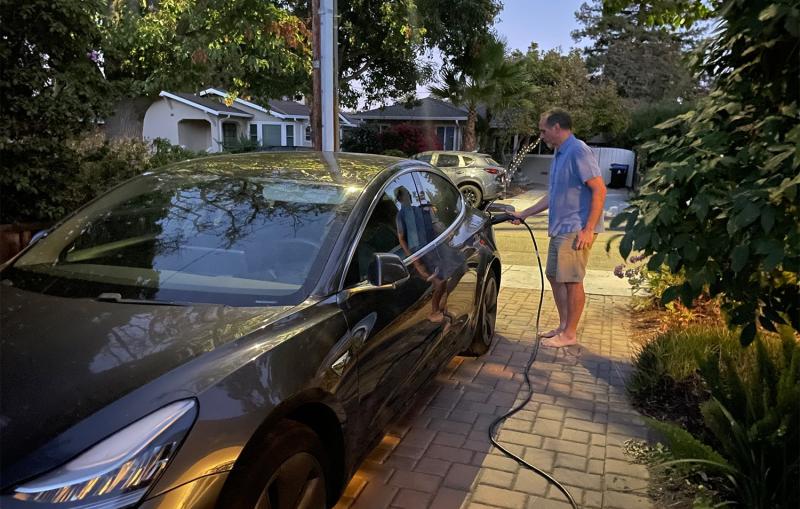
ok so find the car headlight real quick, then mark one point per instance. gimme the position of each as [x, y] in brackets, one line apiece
[116, 472]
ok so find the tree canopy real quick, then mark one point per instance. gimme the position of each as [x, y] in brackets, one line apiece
[720, 200]
[647, 63]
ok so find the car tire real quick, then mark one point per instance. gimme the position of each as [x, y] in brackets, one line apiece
[287, 468]
[487, 319]
[472, 195]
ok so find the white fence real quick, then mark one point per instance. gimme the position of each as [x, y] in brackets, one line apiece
[535, 168]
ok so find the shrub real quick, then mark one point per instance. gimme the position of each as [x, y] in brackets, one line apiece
[751, 414]
[394, 153]
[410, 139]
[63, 177]
[721, 197]
[363, 139]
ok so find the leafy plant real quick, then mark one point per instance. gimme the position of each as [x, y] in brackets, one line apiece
[751, 415]
[721, 199]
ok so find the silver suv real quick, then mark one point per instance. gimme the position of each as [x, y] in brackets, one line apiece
[479, 177]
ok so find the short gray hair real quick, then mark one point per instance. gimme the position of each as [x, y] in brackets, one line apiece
[558, 116]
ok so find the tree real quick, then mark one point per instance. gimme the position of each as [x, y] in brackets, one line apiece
[647, 63]
[252, 47]
[721, 197]
[489, 79]
[51, 88]
[556, 80]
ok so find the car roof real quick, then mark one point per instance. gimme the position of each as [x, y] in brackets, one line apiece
[456, 152]
[354, 170]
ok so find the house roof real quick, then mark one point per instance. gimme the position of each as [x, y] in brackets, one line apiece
[208, 105]
[426, 108]
[276, 107]
[289, 108]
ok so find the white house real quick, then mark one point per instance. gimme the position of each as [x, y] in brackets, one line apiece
[204, 122]
[194, 122]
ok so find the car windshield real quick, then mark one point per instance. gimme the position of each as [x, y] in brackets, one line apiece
[195, 238]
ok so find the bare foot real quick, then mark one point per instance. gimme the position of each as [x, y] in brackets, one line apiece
[552, 333]
[436, 317]
[560, 341]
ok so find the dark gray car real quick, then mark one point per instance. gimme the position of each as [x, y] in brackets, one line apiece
[234, 331]
[479, 177]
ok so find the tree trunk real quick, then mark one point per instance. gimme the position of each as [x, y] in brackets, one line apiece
[469, 135]
[127, 121]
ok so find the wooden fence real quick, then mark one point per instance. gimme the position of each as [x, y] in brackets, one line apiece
[14, 237]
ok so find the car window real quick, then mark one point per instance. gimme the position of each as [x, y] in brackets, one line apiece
[491, 161]
[447, 160]
[240, 240]
[398, 224]
[467, 160]
[424, 157]
[443, 199]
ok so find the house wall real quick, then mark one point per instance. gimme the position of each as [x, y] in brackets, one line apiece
[162, 117]
[261, 118]
[194, 134]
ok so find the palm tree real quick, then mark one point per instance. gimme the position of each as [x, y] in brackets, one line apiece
[489, 79]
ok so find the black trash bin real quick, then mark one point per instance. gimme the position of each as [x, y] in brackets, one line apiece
[619, 175]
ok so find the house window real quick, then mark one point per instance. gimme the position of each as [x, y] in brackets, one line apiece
[290, 135]
[253, 132]
[308, 133]
[228, 134]
[447, 137]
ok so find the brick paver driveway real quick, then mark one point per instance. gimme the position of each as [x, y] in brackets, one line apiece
[439, 456]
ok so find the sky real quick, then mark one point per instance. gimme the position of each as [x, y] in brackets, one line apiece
[547, 22]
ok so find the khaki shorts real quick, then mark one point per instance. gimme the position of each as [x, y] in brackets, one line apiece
[566, 264]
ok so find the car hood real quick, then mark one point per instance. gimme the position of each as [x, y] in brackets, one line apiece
[63, 359]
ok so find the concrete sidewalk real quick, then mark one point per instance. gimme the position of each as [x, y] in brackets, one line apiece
[439, 456]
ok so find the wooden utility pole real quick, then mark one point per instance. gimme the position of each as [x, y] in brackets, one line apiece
[324, 107]
[316, 90]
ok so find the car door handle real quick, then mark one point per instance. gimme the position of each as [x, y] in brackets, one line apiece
[357, 339]
[341, 363]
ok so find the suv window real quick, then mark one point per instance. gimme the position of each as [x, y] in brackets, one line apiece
[399, 224]
[443, 199]
[424, 157]
[447, 160]
[492, 161]
[467, 160]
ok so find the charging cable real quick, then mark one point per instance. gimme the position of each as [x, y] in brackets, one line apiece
[500, 218]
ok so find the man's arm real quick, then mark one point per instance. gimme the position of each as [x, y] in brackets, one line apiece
[586, 235]
[534, 209]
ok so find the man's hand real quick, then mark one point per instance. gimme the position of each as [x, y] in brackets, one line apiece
[519, 218]
[584, 240]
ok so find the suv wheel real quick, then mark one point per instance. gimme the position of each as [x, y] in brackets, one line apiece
[472, 194]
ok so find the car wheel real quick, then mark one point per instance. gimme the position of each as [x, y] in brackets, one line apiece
[472, 195]
[487, 318]
[286, 470]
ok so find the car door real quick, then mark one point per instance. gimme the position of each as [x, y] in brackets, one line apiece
[392, 329]
[457, 254]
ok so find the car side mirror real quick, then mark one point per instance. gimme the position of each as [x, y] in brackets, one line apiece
[387, 271]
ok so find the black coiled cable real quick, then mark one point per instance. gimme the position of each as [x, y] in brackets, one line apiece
[534, 353]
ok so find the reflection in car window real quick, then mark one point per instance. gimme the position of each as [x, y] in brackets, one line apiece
[212, 238]
[400, 224]
[442, 197]
[447, 160]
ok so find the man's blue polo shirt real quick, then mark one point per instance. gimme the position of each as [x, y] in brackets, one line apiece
[570, 199]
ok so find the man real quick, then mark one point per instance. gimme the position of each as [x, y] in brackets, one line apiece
[576, 194]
